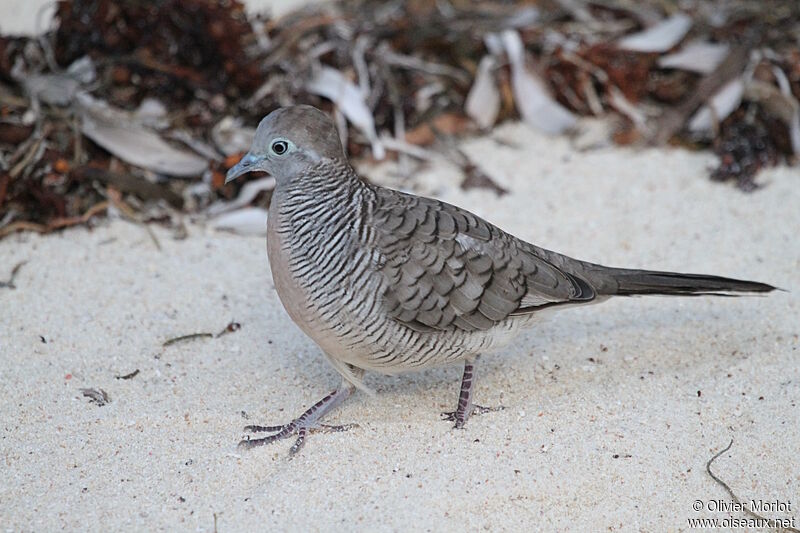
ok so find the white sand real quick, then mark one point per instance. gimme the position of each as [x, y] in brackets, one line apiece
[619, 443]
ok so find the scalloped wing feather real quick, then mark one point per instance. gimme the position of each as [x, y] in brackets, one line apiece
[447, 269]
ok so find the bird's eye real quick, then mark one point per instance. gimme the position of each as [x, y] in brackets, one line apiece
[280, 147]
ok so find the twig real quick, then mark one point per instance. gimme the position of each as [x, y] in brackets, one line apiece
[14, 271]
[77, 141]
[30, 155]
[415, 63]
[587, 66]
[770, 522]
[22, 225]
[128, 183]
[295, 33]
[59, 223]
[187, 338]
[360, 63]
[401, 146]
[129, 376]
[230, 328]
[63, 222]
[673, 120]
[56, 223]
[4, 181]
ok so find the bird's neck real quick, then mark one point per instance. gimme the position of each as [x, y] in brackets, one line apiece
[324, 193]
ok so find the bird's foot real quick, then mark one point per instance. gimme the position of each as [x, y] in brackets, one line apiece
[297, 426]
[306, 423]
[460, 416]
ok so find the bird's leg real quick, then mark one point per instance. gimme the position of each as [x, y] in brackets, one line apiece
[306, 423]
[465, 406]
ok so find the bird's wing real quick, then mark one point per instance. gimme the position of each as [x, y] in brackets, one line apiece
[446, 268]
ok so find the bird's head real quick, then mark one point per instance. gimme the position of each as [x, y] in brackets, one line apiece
[288, 141]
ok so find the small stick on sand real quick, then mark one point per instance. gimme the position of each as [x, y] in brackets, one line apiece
[14, 271]
[771, 522]
[230, 328]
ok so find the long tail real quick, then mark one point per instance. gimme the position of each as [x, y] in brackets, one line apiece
[610, 281]
[630, 282]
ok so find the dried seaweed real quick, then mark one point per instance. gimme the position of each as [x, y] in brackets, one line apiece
[98, 397]
[746, 144]
[172, 47]
[195, 76]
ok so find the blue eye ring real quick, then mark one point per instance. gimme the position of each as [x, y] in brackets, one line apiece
[279, 147]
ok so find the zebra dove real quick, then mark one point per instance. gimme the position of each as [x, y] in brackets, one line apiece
[390, 282]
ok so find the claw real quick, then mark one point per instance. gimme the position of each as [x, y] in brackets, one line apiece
[460, 418]
[306, 423]
[301, 439]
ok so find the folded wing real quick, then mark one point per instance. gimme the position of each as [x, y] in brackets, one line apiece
[448, 269]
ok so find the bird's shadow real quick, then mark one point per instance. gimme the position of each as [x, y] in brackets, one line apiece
[591, 329]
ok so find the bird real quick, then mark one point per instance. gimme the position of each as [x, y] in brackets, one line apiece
[386, 281]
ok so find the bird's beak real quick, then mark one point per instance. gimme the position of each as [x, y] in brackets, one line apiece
[248, 163]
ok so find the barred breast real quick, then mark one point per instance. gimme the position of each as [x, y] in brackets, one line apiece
[329, 271]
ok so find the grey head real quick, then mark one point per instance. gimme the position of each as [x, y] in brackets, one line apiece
[288, 141]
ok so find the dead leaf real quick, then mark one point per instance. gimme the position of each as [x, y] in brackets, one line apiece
[247, 194]
[532, 100]
[331, 84]
[120, 134]
[483, 101]
[779, 104]
[659, 37]
[231, 137]
[245, 221]
[722, 104]
[697, 56]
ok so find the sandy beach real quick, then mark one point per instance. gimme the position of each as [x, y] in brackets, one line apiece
[612, 411]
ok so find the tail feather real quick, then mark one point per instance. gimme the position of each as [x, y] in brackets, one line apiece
[610, 281]
[632, 282]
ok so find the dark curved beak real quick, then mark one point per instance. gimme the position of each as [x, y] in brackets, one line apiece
[247, 164]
